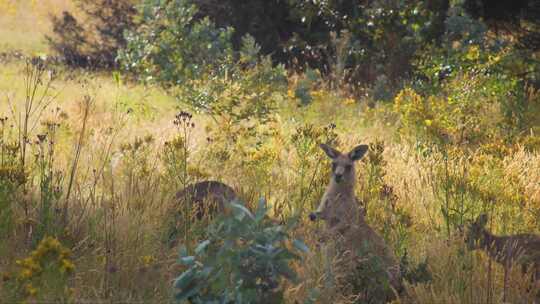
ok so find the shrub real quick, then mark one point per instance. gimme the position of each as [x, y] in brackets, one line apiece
[171, 45]
[43, 275]
[245, 259]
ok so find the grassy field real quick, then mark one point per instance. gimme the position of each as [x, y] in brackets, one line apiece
[113, 159]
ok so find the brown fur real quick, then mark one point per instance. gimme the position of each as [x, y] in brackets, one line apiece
[344, 217]
[520, 249]
[213, 193]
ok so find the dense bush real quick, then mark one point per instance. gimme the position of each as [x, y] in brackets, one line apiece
[171, 46]
[245, 259]
[354, 42]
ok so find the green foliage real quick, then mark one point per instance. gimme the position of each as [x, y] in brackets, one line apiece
[50, 182]
[369, 279]
[171, 46]
[12, 177]
[242, 105]
[304, 87]
[379, 200]
[414, 274]
[244, 260]
[479, 102]
[310, 175]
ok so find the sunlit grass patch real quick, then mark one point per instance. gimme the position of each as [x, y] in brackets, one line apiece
[24, 24]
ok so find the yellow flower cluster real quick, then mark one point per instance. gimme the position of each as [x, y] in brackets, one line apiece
[148, 260]
[473, 53]
[49, 250]
[30, 289]
[496, 148]
[290, 94]
[349, 101]
[318, 93]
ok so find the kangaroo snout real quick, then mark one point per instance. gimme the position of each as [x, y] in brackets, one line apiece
[338, 178]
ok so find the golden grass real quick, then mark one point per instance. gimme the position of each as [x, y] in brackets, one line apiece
[24, 24]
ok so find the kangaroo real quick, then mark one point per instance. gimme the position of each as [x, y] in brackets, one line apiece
[214, 194]
[340, 210]
[521, 249]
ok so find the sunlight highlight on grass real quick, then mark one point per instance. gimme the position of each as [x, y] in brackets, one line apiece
[24, 24]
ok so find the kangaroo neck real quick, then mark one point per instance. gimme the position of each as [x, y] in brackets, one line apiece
[343, 188]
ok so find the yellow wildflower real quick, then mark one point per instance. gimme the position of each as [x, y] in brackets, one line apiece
[317, 93]
[349, 101]
[67, 266]
[492, 59]
[64, 254]
[148, 260]
[25, 274]
[473, 53]
[290, 94]
[428, 122]
[30, 290]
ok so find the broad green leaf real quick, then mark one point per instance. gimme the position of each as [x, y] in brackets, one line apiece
[187, 260]
[298, 244]
[182, 251]
[261, 210]
[186, 294]
[240, 211]
[184, 279]
[202, 246]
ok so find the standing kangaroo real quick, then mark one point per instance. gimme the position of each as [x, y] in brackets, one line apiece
[340, 210]
[521, 249]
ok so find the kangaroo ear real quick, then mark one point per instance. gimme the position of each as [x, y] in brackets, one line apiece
[482, 219]
[358, 152]
[331, 152]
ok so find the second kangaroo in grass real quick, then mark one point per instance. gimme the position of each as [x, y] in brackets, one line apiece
[520, 249]
[207, 196]
[340, 209]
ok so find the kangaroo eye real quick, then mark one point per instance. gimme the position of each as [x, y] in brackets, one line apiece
[334, 166]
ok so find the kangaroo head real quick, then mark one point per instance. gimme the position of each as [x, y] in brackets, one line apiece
[343, 164]
[343, 174]
[475, 232]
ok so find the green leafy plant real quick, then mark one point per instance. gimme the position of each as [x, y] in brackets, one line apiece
[171, 45]
[245, 259]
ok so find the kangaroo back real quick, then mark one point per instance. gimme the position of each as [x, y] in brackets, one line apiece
[522, 249]
[212, 193]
